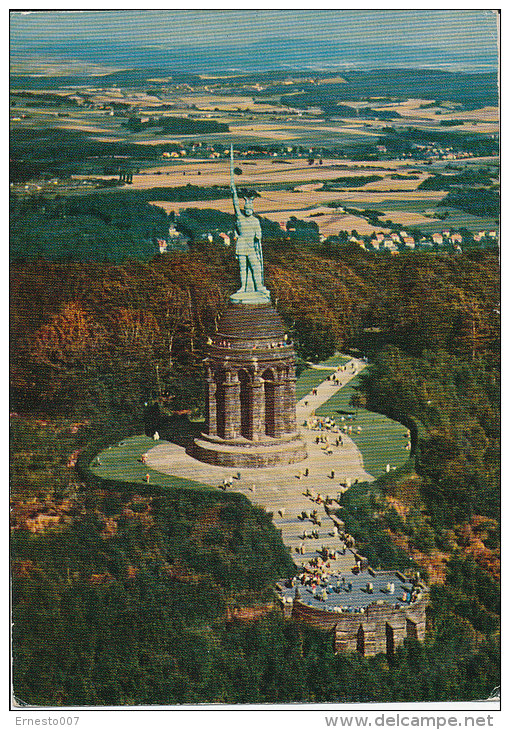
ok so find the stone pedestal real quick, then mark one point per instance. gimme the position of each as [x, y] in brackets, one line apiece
[251, 392]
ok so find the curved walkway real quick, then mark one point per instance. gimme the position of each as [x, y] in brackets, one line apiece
[283, 490]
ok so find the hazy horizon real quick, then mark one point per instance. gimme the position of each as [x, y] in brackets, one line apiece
[247, 40]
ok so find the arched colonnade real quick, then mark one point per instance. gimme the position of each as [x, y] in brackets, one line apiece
[251, 401]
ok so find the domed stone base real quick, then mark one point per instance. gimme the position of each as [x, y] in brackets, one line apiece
[251, 391]
[243, 453]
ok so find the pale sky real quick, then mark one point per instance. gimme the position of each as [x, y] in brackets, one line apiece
[461, 38]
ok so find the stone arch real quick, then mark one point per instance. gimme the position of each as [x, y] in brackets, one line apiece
[411, 629]
[246, 402]
[269, 377]
[360, 641]
[390, 639]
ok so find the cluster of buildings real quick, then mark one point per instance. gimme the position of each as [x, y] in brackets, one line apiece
[484, 235]
[431, 151]
[398, 241]
[175, 241]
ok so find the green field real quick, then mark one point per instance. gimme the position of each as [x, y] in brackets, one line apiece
[456, 218]
[381, 442]
[459, 219]
[309, 379]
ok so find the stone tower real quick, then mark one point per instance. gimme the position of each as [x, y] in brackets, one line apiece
[251, 391]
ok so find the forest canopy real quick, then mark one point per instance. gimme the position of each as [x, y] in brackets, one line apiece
[136, 591]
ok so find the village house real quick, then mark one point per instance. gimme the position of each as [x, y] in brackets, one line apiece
[390, 246]
[162, 245]
[437, 238]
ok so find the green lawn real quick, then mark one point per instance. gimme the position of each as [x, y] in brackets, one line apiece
[311, 377]
[382, 441]
[121, 463]
[336, 359]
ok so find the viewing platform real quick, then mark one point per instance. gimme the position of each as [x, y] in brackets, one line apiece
[369, 611]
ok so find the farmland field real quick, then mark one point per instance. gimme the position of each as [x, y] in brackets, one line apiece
[298, 159]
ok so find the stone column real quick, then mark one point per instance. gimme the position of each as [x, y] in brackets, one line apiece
[232, 405]
[212, 426]
[375, 640]
[258, 416]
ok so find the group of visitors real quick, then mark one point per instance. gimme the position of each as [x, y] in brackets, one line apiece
[256, 346]
[323, 587]
[329, 425]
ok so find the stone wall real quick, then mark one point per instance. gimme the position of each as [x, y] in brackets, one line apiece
[380, 628]
[246, 455]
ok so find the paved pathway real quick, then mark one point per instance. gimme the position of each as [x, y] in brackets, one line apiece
[282, 490]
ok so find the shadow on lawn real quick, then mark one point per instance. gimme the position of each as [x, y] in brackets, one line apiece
[177, 429]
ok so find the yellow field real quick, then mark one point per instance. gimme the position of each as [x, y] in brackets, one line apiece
[305, 200]
[210, 102]
[332, 80]
[80, 127]
[484, 120]
[363, 198]
[267, 131]
[387, 184]
[257, 172]
[331, 223]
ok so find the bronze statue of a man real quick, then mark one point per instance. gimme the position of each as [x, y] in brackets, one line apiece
[248, 248]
